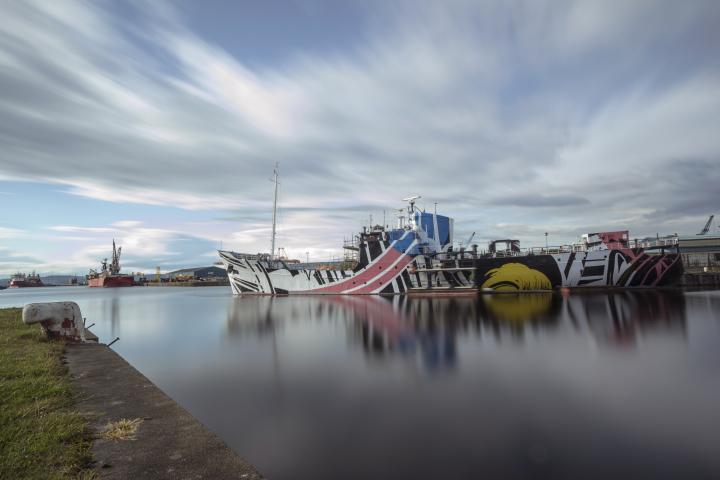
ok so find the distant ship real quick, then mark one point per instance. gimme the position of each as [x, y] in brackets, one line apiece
[20, 280]
[109, 275]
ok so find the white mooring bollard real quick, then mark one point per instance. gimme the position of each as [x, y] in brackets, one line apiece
[57, 319]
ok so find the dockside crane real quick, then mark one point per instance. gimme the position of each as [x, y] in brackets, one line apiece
[115, 264]
[470, 239]
[706, 229]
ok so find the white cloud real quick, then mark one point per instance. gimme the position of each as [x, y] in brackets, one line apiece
[637, 130]
[72, 229]
[127, 223]
[143, 248]
[6, 232]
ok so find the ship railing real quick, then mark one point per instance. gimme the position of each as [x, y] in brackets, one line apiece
[250, 256]
[573, 248]
[549, 250]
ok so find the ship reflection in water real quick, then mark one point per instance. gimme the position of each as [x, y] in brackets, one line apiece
[590, 385]
[429, 328]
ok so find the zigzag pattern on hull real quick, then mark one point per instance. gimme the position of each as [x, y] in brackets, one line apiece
[420, 255]
[600, 268]
[382, 269]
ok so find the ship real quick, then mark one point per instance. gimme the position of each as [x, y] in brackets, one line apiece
[420, 255]
[20, 280]
[109, 274]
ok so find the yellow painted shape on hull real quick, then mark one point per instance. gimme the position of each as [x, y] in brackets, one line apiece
[516, 276]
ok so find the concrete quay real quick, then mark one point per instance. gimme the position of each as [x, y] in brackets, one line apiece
[700, 279]
[169, 442]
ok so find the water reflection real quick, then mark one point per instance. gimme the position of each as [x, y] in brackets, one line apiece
[592, 385]
[429, 328]
[114, 308]
[620, 318]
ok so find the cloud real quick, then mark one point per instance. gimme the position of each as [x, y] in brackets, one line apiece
[571, 105]
[72, 229]
[127, 223]
[12, 261]
[540, 200]
[143, 248]
[6, 232]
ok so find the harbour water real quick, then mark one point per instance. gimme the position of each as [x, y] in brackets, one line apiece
[591, 385]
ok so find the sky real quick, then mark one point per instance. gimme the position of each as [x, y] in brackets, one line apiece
[159, 123]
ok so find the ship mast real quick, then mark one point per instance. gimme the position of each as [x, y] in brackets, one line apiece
[274, 216]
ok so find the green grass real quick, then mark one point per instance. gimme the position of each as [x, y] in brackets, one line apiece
[41, 435]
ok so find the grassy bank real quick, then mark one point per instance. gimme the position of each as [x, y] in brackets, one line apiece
[41, 436]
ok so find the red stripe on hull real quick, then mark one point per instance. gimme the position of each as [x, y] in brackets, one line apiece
[380, 283]
[371, 271]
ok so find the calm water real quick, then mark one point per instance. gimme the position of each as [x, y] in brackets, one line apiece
[588, 386]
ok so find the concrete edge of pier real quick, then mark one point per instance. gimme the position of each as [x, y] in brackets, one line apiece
[169, 442]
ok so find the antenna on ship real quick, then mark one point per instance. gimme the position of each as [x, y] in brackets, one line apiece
[274, 217]
[411, 200]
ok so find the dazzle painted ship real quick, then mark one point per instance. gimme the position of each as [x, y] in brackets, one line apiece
[420, 255]
[109, 275]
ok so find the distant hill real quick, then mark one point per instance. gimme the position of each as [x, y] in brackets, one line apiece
[62, 279]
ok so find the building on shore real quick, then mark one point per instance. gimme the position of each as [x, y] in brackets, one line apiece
[700, 252]
[198, 273]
